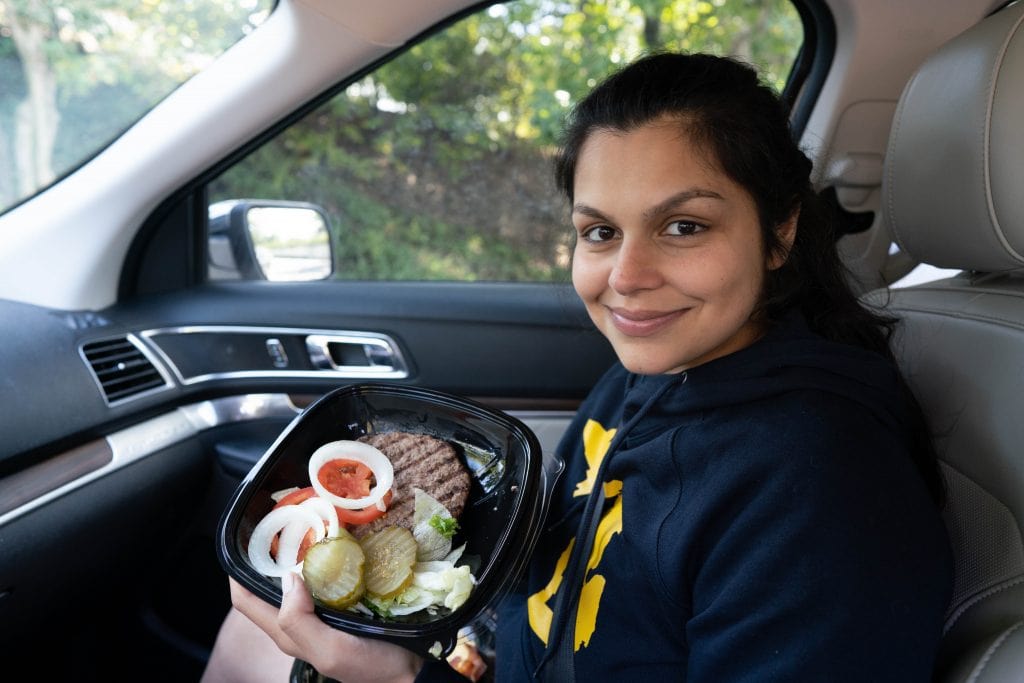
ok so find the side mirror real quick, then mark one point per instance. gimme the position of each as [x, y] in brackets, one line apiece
[265, 239]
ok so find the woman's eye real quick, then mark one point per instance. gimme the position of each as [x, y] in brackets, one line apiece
[684, 228]
[599, 233]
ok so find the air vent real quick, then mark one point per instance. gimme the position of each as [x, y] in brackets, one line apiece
[121, 368]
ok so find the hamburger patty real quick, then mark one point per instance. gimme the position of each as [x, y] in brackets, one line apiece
[421, 462]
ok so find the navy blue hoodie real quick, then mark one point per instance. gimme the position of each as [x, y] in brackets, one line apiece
[764, 522]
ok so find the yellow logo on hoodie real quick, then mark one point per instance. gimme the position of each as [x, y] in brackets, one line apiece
[596, 440]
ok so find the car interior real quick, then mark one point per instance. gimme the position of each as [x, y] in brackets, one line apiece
[139, 387]
[950, 201]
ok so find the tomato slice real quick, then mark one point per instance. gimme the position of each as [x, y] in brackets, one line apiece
[364, 516]
[346, 478]
[296, 497]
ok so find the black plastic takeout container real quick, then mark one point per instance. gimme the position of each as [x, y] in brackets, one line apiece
[510, 485]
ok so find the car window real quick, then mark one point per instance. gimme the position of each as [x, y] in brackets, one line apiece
[74, 74]
[437, 165]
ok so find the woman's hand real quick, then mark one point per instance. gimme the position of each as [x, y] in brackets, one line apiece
[298, 632]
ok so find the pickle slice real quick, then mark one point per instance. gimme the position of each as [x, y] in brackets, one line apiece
[333, 571]
[390, 556]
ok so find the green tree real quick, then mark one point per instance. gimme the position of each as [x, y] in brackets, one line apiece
[438, 164]
[90, 68]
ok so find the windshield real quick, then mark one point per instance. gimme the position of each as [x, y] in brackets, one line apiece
[74, 74]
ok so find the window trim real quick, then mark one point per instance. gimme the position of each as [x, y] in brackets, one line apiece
[813, 62]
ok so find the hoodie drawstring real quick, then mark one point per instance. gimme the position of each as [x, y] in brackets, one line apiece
[562, 634]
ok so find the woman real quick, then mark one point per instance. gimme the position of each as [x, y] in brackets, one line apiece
[751, 493]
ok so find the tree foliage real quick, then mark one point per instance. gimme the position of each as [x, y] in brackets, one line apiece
[437, 165]
[75, 73]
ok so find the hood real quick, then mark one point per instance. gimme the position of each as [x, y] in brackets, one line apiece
[789, 357]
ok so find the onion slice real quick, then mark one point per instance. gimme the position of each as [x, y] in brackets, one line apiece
[326, 511]
[378, 463]
[293, 521]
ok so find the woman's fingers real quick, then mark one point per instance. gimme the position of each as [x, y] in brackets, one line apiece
[327, 649]
[299, 632]
[296, 602]
[298, 622]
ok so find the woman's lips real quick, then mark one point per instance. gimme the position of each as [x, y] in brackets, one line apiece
[642, 323]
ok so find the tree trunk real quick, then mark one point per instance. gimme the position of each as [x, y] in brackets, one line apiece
[652, 30]
[36, 117]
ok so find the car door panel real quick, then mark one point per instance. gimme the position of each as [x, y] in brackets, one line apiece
[486, 340]
[165, 461]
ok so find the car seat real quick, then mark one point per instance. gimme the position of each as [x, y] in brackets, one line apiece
[953, 196]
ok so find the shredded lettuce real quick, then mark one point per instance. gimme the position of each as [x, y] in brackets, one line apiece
[437, 583]
[446, 526]
[431, 540]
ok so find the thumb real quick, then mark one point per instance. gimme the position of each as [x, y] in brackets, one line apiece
[296, 619]
[296, 602]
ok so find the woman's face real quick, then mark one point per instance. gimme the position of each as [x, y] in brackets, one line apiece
[669, 258]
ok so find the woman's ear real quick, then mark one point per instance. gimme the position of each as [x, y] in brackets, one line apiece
[786, 233]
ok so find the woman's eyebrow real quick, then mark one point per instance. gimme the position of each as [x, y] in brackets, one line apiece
[680, 198]
[656, 210]
[587, 210]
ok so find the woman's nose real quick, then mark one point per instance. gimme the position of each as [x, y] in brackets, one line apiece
[635, 268]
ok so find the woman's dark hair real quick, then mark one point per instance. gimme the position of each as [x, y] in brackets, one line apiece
[739, 122]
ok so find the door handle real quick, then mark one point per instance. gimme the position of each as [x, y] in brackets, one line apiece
[361, 354]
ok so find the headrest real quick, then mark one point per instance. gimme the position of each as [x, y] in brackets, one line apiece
[954, 179]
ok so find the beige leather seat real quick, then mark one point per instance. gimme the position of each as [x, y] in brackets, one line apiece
[954, 198]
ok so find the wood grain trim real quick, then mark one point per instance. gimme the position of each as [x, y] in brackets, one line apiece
[28, 484]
